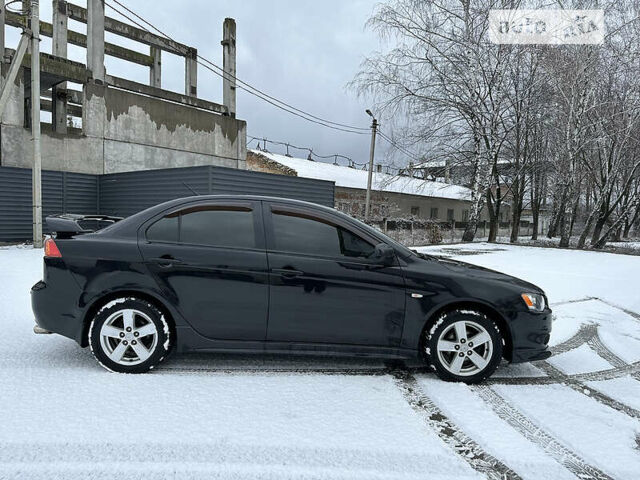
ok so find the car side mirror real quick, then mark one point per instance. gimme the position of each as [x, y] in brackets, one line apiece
[384, 254]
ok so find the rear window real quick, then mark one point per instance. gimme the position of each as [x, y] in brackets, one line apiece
[211, 225]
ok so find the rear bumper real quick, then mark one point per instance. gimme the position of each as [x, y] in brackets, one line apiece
[55, 311]
[40, 331]
[530, 333]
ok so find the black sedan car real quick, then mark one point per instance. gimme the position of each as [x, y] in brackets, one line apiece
[262, 274]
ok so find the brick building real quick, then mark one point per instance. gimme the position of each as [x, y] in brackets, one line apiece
[401, 196]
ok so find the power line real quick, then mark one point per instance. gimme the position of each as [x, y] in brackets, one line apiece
[360, 130]
[408, 153]
[246, 86]
[268, 98]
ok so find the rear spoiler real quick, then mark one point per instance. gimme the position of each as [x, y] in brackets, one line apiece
[67, 225]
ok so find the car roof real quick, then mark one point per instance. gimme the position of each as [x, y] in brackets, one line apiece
[129, 225]
[244, 197]
[265, 198]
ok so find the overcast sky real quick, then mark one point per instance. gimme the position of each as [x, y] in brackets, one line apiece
[303, 52]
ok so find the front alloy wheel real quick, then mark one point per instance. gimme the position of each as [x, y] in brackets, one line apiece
[129, 335]
[464, 346]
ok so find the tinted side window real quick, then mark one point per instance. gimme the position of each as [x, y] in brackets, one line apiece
[218, 226]
[301, 234]
[354, 246]
[164, 230]
[211, 225]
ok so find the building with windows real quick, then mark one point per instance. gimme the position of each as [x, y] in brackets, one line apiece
[393, 196]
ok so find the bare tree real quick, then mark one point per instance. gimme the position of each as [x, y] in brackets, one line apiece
[444, 67]
[554, 125]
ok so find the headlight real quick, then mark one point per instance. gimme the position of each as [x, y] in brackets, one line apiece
[535, 301]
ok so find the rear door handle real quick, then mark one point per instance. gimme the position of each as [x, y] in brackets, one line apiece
[287, 272]
[166, 261]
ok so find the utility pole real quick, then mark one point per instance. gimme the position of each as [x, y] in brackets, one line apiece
[36, 174]
[229, 65]
[374, 127]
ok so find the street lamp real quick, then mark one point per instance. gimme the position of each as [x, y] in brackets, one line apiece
[374, 126]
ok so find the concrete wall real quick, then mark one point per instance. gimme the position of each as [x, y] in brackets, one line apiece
[124, 131]
[143, 133]
[71, 153]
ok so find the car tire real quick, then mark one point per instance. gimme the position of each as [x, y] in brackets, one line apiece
[464, 346]
[129, 335]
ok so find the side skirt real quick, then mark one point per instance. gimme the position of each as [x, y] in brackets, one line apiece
[189, 341]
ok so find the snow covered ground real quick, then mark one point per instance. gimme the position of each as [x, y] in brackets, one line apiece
[575, 416]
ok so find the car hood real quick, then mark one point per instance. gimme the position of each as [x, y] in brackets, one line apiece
[481, 273]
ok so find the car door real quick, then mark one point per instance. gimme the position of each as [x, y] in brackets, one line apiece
[325, 288]
[209, 259]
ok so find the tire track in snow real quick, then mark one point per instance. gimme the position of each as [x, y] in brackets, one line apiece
[585, 333]
[610, 374]
[521, 381]
[219, 455]
[603, 351]
[577, 300]
[275, 371]
[631, 313]
[535, 434]
[449, 433]
[584, 389]
[597, 346]
[380, 369]
[632, 369]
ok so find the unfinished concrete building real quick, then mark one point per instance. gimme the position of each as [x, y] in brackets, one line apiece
[125, 125]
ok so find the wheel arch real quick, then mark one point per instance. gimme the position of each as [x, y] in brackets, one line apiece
[101, 301]
[481, 307]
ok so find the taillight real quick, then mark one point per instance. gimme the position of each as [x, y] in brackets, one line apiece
[51, 249]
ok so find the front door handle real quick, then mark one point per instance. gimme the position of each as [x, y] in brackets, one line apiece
[360, 266]
[287, 272]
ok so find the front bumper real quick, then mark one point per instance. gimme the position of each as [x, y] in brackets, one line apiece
[530, 333]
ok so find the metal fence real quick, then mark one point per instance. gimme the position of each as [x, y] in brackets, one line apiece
[124, 194]
[61, 192]
[416, 232]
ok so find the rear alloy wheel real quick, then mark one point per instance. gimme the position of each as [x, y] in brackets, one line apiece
[129, 335]
[464, 346]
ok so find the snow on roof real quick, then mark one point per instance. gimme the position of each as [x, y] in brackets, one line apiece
[454, 163]
[354, 178]
[432, 164]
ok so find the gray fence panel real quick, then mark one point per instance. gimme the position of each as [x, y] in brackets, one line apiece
[15, 204]
[52, 194]
[81, 193]
[62, 192]
[124, 194]
[238, 182]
